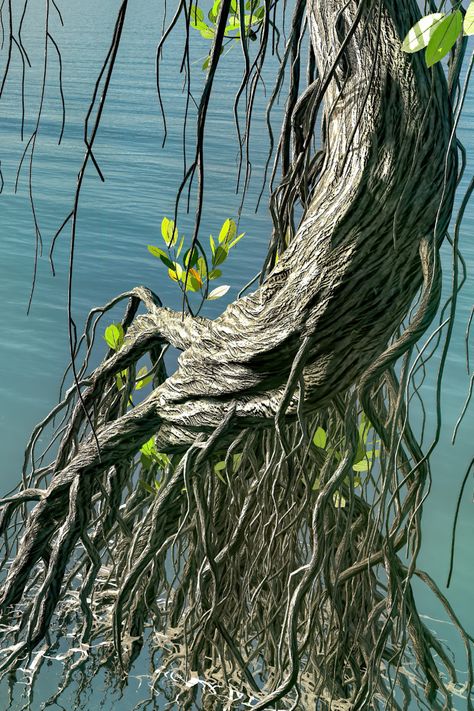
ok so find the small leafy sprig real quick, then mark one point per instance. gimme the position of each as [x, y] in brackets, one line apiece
[253, 18]
[150, 458]
[438, 33]
[194, 271]
[114, 336]
[363, 460]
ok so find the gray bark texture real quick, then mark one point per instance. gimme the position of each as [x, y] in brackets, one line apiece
[342, 288]
[327, 319]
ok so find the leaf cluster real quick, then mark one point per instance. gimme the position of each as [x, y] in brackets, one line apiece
[253, 17]
[438, 33]
[192, 270]
[363, 460]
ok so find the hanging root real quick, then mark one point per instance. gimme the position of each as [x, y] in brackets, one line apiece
[259, 559]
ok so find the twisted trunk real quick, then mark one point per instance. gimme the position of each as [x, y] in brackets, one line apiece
[344, 285]
[325, 315]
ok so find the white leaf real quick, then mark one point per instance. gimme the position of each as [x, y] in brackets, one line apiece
[218, 292]
[420, 34]
[469, 20]
[192, 681]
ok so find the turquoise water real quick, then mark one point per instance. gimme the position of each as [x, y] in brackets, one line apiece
[121, 216]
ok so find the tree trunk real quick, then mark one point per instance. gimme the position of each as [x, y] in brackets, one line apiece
[344, 285]
[324, 317]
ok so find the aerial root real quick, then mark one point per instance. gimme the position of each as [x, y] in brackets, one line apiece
[253, 592]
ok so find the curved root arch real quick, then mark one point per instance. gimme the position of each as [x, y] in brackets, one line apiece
[269, 573]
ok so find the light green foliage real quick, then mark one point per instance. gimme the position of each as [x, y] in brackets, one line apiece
[469, 20]
[149, 456]
[194, 270]
[169, 232]
[114, 336]
[444, 38]
[420, 34]
[121, 379]
[438, 33]
[254, 14]
[363, 460]
[320, 438]
[221, 465]
[142, 378]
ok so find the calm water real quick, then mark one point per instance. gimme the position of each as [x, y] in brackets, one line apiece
[120, 217]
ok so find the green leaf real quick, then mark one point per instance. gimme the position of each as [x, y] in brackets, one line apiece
[205, 64]
[320, 438]
[214, 11]
[156, 251]
[237, 239]
[338, 500]
[148, 449]
[192, 280]
[167, 261]
[114, 336]
[364, 464]
[218, 468]
[196, 14]
[444, 38]
[201, 268]
[193, 284]
[162, 460]
[207, 32]
[469, 20]
[147, 486]
[180, 246]
[364, 428]
[212, 243]
[141, 379]
[420, 34]
[196, 17]
[251, 20]
[218, 292]
[121, 379]
[234, 24]
[228, 231]
[150, 456]
[169, 232]
[189, 260]
[214, 274]
[220, 255]
[236, 459]
[194, 274]
[175, 272]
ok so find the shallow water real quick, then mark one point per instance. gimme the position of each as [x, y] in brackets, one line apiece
[121, 216]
